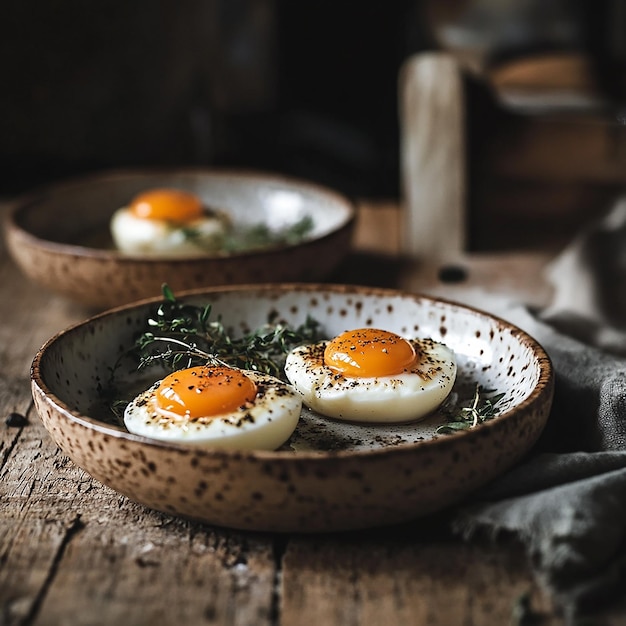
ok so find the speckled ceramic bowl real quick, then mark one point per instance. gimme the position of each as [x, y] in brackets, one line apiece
[330, 475]
[60, 237]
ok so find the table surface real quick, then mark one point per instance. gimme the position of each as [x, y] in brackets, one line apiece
[73, 551]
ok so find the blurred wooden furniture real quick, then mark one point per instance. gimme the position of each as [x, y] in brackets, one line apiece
[531, 153]
[433, 157]
[559, 159]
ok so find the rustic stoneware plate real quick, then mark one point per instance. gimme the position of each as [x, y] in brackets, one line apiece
[329, 476]
[60, 237]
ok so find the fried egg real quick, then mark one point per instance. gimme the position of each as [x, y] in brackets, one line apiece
[372, 375]
[168, 222]
[216, 406]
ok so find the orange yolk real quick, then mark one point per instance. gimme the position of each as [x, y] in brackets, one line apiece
[369, 352]
[204, 391]
[172, 205]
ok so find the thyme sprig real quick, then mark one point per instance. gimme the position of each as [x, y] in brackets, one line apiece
[183, 335]
[254, 237]
[262, 236]
[482, 408]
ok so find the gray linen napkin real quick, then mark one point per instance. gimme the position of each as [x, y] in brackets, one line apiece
[567, 501]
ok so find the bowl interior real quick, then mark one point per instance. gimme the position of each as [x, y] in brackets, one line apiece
[76, 366]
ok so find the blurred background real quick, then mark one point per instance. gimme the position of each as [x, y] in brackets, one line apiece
[310, 89]
[303, 88]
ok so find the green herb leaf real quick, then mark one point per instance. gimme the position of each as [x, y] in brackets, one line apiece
[168, 294]
[482, 408]
[262, 236]
[183, 335]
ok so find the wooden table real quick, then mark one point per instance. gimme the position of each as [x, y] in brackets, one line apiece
[74, 552]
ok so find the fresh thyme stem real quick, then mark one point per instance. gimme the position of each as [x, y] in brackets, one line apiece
[473, 410]
[190, 350]
[191, 337]
[481, 409]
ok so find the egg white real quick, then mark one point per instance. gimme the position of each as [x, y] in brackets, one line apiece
[408, 396]
[135, 235]
[264, 424]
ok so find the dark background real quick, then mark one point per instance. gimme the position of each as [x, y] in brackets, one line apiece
[304, 88]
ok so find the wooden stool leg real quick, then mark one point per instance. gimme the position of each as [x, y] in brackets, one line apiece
[432, 131]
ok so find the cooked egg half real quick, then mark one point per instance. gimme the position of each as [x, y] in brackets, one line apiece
[372, 375]
[216, 406]
[168, 222]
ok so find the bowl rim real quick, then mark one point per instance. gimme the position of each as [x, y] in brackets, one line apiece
[543, 390]
[24, 202]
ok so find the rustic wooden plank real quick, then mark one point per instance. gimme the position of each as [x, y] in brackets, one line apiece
[30, 317]
[31, 534]
[140, 567]
[378, 227]
[14, 398]
[24, 575]
[405, 577]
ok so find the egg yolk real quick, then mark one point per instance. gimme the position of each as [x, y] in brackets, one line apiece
[172, 205]
[369, 352]
[204, 391]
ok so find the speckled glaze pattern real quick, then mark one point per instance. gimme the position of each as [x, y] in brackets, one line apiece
[303, 490]
[50, 234]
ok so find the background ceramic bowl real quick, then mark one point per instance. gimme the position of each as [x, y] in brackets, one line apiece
[330, 476]
[60, 238]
